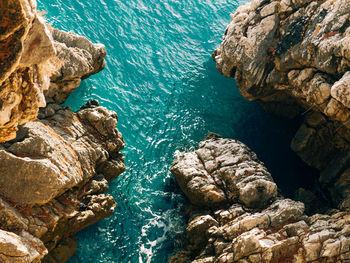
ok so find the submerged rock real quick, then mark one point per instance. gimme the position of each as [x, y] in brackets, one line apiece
[292, 57]
[276, 230]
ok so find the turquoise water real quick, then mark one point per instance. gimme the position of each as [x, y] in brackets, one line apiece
[163, 84]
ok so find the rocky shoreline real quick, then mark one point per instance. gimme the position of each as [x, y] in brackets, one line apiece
[292, 57]
[237, 214]
[54, 169]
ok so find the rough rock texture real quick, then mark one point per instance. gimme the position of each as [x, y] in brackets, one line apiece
[42, 192]
[224, 171]
[23, 73]
[239, 230]
[77, 58]
[54, 171]
[31, 53]
[293, 58]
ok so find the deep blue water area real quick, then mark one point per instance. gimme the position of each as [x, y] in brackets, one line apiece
[162, 82]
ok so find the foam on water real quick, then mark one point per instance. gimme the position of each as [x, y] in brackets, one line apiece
[163, 84]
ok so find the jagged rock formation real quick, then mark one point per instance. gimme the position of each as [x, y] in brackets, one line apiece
[293, 58]
[30, 53]
[206, 176]
[77, 59]
[23, 36]
[250, 223]
[54, 173]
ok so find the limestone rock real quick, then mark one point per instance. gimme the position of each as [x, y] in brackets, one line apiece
[52, 175]
[41, 159]
[32, 55]
[55, 170]
[222, 171]
[77, 58]
[22, 248]
[292, 57]
[278, 231]
[23, 73]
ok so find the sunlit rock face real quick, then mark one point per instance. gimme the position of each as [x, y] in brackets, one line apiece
[33, 54]
[293, 58]
[26, 46]
[77, 58]
[54, 175]
[53, 170]
[237, 215]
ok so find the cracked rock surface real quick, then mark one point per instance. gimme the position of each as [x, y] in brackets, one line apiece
[77, 59]
[226, 225]
[38, 64]
[23, 74]
[42, 192]
[293, 58]
[53, 171]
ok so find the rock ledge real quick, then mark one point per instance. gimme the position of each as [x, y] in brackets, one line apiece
[237, 215]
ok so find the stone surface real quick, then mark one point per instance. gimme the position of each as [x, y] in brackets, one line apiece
[33, 54]
[53, 171]
[276, 231]
[293, 58]
[45, 150]
[222, 171]
[22, 248]
[23, 74]
[52, 175]
[77, 58]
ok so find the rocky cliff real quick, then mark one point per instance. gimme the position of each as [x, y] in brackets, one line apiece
[237, 214]
[34, 56]
[293, 58]
[53, 170]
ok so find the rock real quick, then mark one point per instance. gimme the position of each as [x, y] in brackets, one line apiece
[49, 147]
[65, 59]
[313, 203]
[51, 180]
[292, 57]
[77, 59]
[20, 248]
[276, 231]
[38, 41]
[55, 170]
[197, 228]
[23, 75]
[222, 171]
[63, 251]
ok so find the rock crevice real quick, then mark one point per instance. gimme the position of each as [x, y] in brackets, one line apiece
[292, 57]
[257, 225]
[55, 169]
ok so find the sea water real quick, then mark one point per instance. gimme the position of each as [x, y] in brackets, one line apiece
[161, 80]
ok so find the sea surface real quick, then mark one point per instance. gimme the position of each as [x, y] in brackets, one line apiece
[161, 80]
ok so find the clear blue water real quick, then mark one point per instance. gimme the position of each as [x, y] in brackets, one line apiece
[162, 82]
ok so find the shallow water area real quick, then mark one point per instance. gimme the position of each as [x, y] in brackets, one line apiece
[162, 82]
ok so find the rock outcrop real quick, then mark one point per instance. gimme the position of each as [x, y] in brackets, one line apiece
[293, 58]
[54, 173]
[237, 215]
[23, 72]
[38, 61]
[77, 58]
